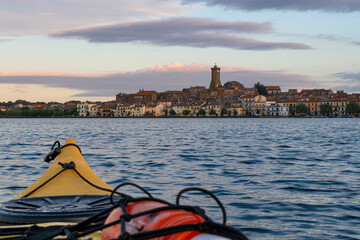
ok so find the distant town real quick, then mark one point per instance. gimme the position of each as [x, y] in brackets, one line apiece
[231, 99]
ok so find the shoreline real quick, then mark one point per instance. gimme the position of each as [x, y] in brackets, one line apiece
[174, 117]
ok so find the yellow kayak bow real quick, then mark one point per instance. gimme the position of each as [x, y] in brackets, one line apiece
[67, 182]
[69, 191]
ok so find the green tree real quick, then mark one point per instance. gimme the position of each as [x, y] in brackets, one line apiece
[57, 112]
[186, 112]
[325, 109]
[224, 111]
[257, 111]
[98, 114]
[22, 102]
[292, 110]
[202, 112]
[172, 112]
[261, 89]
[212, 112]
[352, 108]
[71, 112]
[235, 112]
[87, 113]
[112, 114]
[302, 109]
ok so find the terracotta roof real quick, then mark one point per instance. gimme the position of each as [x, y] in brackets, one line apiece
[145, 93]
[273, 88]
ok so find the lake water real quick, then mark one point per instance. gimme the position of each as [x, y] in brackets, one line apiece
[278, 178]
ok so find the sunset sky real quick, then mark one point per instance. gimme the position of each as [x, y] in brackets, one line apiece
[62, 50]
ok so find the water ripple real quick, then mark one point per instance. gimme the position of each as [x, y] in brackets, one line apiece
[278, 178]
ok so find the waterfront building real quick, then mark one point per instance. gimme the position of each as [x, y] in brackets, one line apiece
[214, 107]
[192, 107]
[259, 107]
[247, 104]
[138, 110]
[313, 105]
[291, 105]
[165, 107]
[176, 107]
[84, 108]
[339, 106]
[153, 110]
[234, 108]
[275, 109]
[124, 110]
[196, 106]
[94, 110]
[254, 105]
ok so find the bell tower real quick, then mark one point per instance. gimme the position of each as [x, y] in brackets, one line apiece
[215, 78]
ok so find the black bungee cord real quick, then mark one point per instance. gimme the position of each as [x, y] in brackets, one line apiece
[91, 224]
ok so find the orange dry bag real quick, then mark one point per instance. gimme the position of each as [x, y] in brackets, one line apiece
[158, 220]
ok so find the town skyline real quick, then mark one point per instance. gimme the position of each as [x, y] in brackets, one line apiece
[86, 50]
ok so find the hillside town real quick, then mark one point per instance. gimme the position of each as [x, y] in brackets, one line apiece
[229, 99]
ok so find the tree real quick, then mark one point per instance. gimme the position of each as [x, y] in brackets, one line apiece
[186, 112]
[261, 89]
[172, 112]
[202, 112]
[57, 112]
[235, 112]
[212, 112]
[224, 111]
[98, 114]
[325, 109]
[257, 111]
[292, 110]
[71, 112]
[352, 108]
[87, 113]
[302, 109]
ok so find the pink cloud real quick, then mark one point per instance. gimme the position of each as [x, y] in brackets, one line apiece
[194, 67]
[173, 76]
[48, 74]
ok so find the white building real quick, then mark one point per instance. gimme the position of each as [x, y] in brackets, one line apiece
[84, 109]
[254, 105]
[277, 109]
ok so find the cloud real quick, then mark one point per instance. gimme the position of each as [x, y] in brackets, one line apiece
[26, 17]
[4, 40]
[348, 77]
[350, 82]
[175, 76]
[302, 5]
[191, 32]
[356, 43]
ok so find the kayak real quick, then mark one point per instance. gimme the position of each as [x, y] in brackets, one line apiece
[62, 194]
[71, 201]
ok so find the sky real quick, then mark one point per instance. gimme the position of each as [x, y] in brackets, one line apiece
[63, 50]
